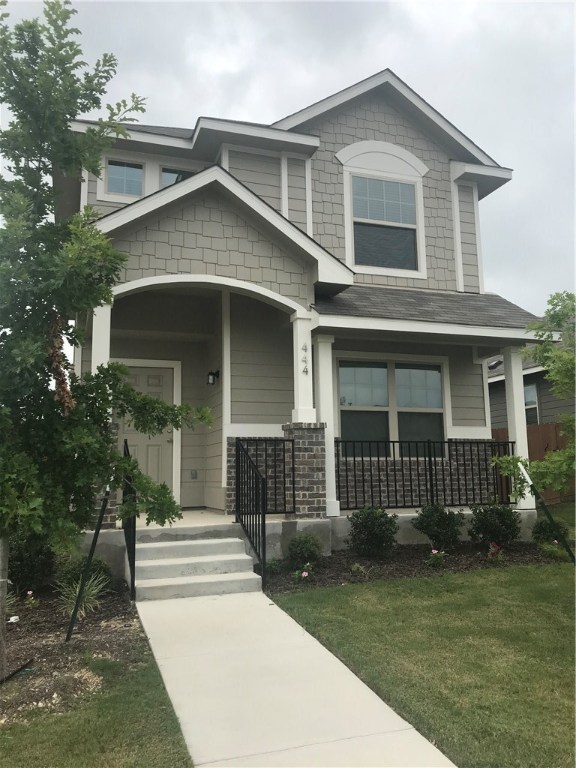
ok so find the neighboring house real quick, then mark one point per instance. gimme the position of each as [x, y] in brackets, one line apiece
[318, 283]
[541, 405]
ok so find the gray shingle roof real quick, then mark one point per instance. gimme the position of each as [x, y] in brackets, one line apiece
[157, 130]
[474, 309]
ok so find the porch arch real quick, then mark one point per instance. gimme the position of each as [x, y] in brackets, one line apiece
[232, 284]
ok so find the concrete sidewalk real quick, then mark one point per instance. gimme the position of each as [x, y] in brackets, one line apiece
[251, 688]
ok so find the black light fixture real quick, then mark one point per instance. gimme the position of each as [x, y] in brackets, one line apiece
[213, 377]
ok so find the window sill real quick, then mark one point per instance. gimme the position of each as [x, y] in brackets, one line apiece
[412, 274]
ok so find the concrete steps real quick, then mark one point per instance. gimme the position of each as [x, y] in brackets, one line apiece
[181, 564]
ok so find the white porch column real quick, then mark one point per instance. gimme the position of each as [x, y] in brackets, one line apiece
[304, 410]
[324, 399]
[515, 410]
[101, 336]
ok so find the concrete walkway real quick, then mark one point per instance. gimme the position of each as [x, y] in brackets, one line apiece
[251, 688]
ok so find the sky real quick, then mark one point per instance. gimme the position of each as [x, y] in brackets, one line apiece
[502, 72]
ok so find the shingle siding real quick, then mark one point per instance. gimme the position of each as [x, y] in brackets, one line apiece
[468, 239]
[370, 118]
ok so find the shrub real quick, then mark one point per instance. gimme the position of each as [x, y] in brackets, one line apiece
[70, 568]
[496, 523]
[304, 548]
[304, 574]
[436, 559]
[31, 562]
[544, 531]
[372, 531]
[274, 566]
[442, 526]
[11, 603]
[554, 551]
[94, 590]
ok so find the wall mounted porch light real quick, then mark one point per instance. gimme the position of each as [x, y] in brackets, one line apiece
[212, 377]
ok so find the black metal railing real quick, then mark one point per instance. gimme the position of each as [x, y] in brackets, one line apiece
[251, 503]
[408, 474]
[274, 460]
[129, 526]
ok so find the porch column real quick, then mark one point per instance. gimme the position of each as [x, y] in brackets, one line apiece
[101, 336]
[304, 411]
[515, 410]
[324, 399]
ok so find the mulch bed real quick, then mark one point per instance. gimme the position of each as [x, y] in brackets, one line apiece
[59, 673]
[406, 561]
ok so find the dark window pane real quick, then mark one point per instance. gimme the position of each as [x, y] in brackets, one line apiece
[364, 425]
[381, 246]
[532, 415]
[173, 176]
[421, 426]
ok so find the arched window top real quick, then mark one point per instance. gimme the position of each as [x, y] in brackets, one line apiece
[384, 157]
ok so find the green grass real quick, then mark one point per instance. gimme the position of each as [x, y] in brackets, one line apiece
[130, 724]
[482, 663]
[565, 513]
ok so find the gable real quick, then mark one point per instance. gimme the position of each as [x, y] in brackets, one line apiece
[209, 234]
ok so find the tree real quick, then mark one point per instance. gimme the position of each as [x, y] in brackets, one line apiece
[57, 445]
[556, 354]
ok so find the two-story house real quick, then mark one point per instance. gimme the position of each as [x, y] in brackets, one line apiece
[318, 283]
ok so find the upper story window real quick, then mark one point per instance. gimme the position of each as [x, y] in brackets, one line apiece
[124, 178]
[169, 176]
[384, 223]
[384, 209]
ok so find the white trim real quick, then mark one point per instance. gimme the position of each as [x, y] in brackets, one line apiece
[486, 390]
[284, 185]
[525, 372]
[238, 286]
[101, 323]
[457, 234]
[330, 270]
[470, 433]
[84, 189]
[225, 157]
[478, 238]
[309, 209]
[382, 78]
[116, 197]
[384, 161]
[176, 366]
[77, 360]
[265, 152]
[490, 178]
[237, 429]
[226, 374]
[303, 410]
[260, 132]
[418, 326]
[324, 402]
[137, 136]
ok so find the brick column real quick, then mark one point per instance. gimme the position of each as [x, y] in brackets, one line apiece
[309, 467]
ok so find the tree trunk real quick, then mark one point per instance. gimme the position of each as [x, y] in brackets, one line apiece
[3, 593]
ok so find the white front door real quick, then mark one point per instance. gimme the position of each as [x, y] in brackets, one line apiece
[154, 454]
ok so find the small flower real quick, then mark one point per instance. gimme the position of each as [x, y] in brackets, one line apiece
[304, 574]
[29, 593]
[13, 619]
[554, 542]
[434, 551]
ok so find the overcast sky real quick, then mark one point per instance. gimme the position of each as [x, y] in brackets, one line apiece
[503, 73]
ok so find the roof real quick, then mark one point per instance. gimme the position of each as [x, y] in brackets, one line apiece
[381, 302]
[156, 130]
[496, 367]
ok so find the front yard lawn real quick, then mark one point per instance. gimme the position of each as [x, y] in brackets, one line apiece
[481, 663]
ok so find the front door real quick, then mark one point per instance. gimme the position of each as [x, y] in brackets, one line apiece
[154, 454]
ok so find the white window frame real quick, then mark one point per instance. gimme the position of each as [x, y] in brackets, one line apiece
[174, 167]
[387, 162]
[392, 408]
[536, 406]
[119, 197]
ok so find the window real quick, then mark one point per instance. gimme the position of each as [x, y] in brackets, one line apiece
[384, 209]
[531, 403]
[391, 242]
[169, 176]
[391, 401]
[124, 178]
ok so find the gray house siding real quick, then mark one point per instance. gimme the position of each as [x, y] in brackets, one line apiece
[468, 240]
[260, 173]
[297, 192]
[366, 119]
[261, 363]
[550, 408]
[206, 235]
[102, 206]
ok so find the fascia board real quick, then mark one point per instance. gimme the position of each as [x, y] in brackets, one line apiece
[417, 326]
[142, 138]
[272, 134]
[330, 270]
[488, 178]
[382, 78]
[525, 372]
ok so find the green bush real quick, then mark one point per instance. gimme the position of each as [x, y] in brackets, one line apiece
[94, 590]
[544, 531]
[496, 523]
[71, 567]
[30, 564]
[442, 526]
[304, 548]
[274, 567]
[554, 551]
[372, 531]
